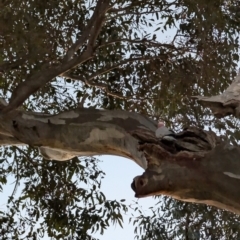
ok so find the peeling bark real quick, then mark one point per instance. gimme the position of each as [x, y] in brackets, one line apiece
[193, 165]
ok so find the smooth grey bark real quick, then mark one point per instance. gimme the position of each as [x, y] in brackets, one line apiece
[81, 132]
[194, 165]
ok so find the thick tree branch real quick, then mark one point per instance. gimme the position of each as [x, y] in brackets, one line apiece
[227, 103]
[100, 11]
[39, 79]
[81, 132]
[193, 165]
[212, 178]
[36, 81]
[92, 29]
[9, 141]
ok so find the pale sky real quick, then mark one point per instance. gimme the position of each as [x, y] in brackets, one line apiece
[116, 186]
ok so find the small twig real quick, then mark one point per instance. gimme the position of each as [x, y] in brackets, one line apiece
[150, 42]
[98, 85]
[81, 103]
[27, 157]
[129, 7]
[115, 10]
[102, 71]
[17, 177]
[92, 29]
[13, 65]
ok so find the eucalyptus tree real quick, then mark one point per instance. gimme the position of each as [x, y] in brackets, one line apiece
[80, 78]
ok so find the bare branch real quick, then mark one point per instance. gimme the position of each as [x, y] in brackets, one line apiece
[17, 175]
[145, 41]
[193, 165]
[13, 65]
[127, 9]
[104, 86]
[36, 81]
[92, 29]
[27, 156]
[109, 68]
[39, 79]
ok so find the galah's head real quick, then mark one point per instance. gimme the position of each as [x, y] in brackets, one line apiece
[160, 124]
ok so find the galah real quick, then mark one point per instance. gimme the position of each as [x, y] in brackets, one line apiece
[162, 130]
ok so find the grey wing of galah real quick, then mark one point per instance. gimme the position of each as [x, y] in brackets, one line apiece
[163, 131]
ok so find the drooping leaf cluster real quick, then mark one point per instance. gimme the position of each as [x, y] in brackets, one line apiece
[55, 199]
[178, 220]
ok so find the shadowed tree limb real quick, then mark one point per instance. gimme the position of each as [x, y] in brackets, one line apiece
[193, 165]
[92, 29]
[39, 79]
[207, 176]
